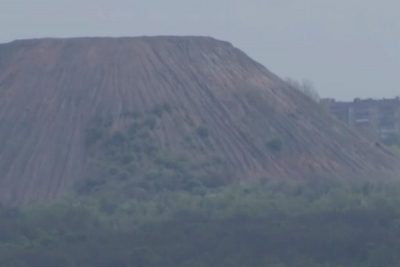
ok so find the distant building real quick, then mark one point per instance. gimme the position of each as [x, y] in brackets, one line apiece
[380, 118]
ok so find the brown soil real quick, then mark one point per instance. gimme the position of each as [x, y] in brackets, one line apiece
[51, 89]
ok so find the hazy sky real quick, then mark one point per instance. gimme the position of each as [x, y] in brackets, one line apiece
[348, 48]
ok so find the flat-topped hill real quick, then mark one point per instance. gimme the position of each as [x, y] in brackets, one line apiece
[72, 110]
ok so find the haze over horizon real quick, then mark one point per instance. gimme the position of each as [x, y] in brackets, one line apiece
[347, 48]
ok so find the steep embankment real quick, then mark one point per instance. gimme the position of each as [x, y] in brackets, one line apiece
[68, 106]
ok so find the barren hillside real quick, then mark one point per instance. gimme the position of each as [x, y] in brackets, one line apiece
[68, 105]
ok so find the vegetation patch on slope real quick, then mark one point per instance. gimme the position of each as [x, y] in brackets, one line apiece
[131, 161]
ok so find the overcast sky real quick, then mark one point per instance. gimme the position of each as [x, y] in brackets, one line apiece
[348, 48]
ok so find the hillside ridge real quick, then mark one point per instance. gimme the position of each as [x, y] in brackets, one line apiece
[71, 108]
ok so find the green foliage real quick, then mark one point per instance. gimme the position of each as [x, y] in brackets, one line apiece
[392, 140]
[275, 144]
[306, 87]
[160, 110]
[150, 207]
[202, 132]
[96, 130]
[130, 162]
[274, 224]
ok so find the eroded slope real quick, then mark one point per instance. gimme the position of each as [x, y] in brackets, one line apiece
[63, 100]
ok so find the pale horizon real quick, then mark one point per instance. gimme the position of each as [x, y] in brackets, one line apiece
[348, 49]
